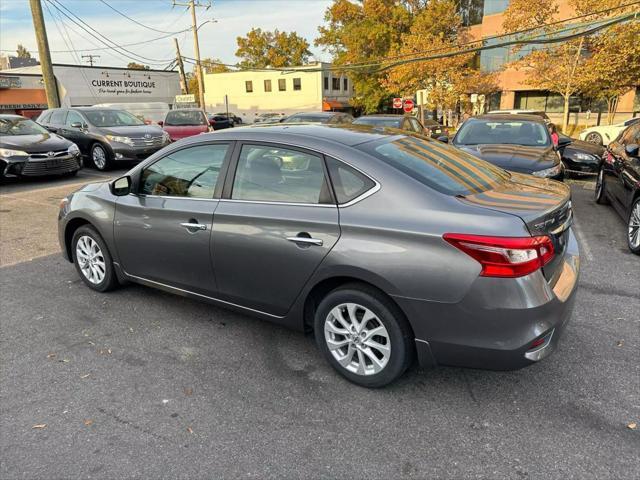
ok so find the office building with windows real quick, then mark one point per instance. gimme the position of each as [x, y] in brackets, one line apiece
[484, 19]
[308, 88]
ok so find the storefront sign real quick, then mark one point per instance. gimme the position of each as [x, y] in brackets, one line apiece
[191, 98]
[10, 82]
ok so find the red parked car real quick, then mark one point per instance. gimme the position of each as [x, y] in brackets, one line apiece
[185, 123]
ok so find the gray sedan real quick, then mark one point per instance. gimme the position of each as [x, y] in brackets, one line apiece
[387, 246]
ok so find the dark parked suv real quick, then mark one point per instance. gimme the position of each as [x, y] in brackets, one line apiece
[105, 135]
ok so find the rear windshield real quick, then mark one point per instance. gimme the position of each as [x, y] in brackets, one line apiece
[380, 122]
[436, 165]
[509, 131]
[111, 118]
[185, 117]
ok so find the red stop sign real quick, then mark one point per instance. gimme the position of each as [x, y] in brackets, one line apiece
[408, 105]
[397, 103]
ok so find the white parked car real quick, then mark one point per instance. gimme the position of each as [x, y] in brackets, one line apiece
[604, 134]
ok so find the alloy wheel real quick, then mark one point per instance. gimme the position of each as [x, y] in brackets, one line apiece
[599, 183]
[90, 259]
[594, 137]
[99, 157]
[357, 339]
[634, 226]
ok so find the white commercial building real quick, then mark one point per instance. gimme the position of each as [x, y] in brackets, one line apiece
[308, 88]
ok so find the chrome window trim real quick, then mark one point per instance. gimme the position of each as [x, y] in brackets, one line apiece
[293, 204]
[169, 197]
[198, 294]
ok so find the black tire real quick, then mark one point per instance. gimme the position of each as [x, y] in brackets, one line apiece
[600, 195]
[400, 336]
[634, 216]
[96, 157]
[110, 280]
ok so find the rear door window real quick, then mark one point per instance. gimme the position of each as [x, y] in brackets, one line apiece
[58, 117]
[268, 173]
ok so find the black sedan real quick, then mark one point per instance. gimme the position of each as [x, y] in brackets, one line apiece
[27, 149]
[618, 182]
[220, 121]
[521, 144]
[579, 156]
[403, 122]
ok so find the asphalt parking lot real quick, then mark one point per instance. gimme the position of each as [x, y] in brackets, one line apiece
[138, 383]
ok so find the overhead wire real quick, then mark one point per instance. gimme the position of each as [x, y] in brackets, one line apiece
[134, 20]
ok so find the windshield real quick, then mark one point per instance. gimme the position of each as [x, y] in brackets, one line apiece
[380, 122]
[436, 165]
[512, 132]
[20, 126]
[185, 117]
[111, 118]
[307, 118]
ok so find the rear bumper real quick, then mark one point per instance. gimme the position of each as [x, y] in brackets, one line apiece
[495, 324]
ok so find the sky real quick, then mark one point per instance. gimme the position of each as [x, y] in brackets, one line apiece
[233, 18]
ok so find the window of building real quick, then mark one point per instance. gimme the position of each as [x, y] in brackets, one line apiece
[190, 172]
[335, 83]
[471, 11]
[297, 84]
[345, 84]
[282, 85]
[248, 85]
[326, 83]
[267, 85]
[271, 174]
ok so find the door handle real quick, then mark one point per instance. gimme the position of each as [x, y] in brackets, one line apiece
[305, 240]
[193, 226]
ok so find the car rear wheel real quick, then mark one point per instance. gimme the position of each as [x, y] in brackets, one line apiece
[93, 260]
[363, 335]
[600, 194]
[100, 157]
[594, 137]
[633, 237]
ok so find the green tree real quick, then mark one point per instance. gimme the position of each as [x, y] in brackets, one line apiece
[137, 66]
[364, 32]
[261, 49]
[22, 52]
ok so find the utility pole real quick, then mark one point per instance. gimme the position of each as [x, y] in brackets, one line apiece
[90, 57]
[50, 87]
[183, 77]
[192, 4]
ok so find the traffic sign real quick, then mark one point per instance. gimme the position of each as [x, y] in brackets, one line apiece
[397, 103]
[190, 98]
[408, 105]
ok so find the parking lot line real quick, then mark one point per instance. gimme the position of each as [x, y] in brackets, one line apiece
[582, 241]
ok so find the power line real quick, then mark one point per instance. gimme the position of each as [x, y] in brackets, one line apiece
[134, 20]
[101, 38]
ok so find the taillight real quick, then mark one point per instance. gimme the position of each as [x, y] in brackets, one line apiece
[504, 256]
[609, 158]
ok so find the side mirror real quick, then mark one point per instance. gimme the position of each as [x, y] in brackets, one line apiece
[121, 186]
[160, 122]
[632, 149]
[77, 125]
[443, 139]
[212, 122]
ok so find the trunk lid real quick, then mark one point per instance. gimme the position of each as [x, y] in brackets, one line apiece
[543, 205]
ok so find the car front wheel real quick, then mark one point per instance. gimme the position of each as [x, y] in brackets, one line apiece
[599, 193]
[633, 238]
[93, 260]
[594, 137]
[100, 157]
[363, 335]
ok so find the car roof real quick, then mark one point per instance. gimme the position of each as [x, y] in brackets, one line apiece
[501, 116]
[385, 115]
[345, 135]
[316, 114]
[11, 116]
[185, 110]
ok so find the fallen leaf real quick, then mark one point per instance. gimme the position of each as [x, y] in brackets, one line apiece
[109, 351]
[131, 329]
[51, 355]
[40, 426]
[188, 391]
[189, 429]
[85, 376]
[88, 422]
[65, 360]
[620, 343]
[632, 425]
[91, 343]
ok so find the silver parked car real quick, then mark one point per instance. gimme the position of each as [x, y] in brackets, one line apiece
[386, 245]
